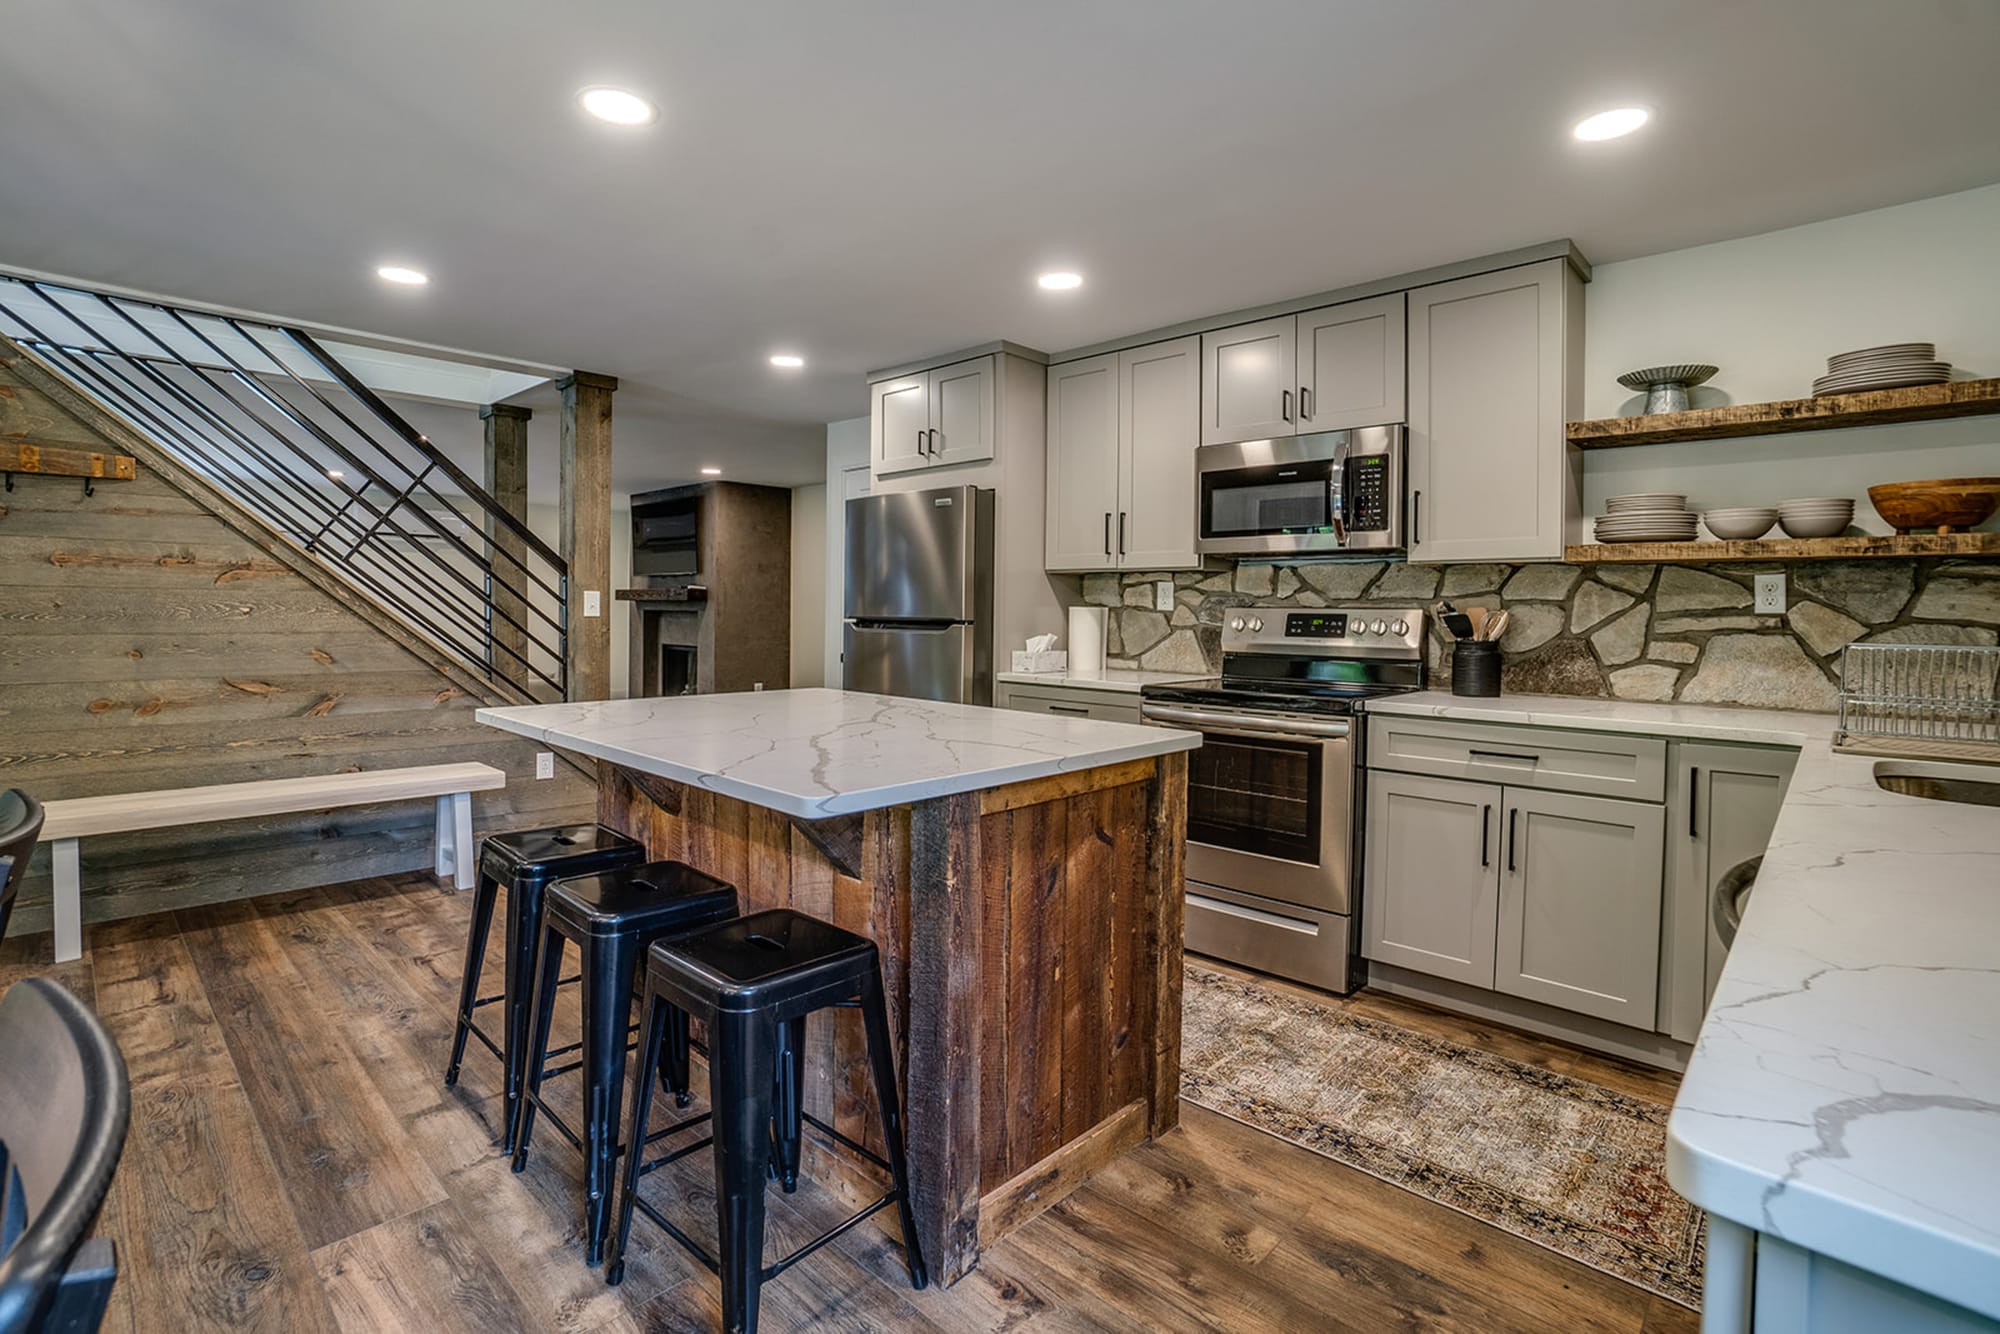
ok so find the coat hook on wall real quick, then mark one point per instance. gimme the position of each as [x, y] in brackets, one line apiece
[88, 489]
[10, 481]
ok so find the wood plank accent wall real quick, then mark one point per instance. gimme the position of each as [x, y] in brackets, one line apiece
[147, 641]
[1030, 936]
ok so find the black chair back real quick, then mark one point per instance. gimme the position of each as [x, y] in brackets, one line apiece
[20, 826]
[64, 1106]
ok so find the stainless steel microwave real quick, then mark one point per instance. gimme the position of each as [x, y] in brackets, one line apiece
[1306, 494]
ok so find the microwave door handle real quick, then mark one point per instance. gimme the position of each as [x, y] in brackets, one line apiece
[1336, 484]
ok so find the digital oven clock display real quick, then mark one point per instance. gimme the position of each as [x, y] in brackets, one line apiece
[1316, 625]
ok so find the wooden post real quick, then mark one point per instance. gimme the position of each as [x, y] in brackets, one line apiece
[507, 483]
[586, 527]
[1166, 892]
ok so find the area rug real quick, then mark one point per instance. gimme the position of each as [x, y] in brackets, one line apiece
[1559, 1161]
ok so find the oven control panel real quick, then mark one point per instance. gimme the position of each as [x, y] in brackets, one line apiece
[1331, 630]
[1316, 625]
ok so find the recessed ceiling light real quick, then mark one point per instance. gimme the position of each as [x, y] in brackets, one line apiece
[787, 361]
[618, 106]
[335, 473]
[711, 472]
[1611, 124]
[1060, 282]
[396, 273]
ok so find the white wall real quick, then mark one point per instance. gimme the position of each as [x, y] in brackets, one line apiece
[846, 451]
[808, 585]
[1768, 310]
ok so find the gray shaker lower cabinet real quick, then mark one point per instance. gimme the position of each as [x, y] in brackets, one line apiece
[1580, 886]
[1756, 1283]
[1433, 876]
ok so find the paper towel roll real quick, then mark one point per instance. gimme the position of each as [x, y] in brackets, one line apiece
[1086, 640]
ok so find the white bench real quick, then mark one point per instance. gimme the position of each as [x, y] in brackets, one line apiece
[79, 817]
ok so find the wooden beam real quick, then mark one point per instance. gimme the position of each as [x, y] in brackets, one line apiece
[58, 461]
[838, 838]
[1060, 787]
[1877, 407]
[507, 483]
[945, 1041]
[586, 527]
[1007, 1206]
[1908, 546]
[1166, 893]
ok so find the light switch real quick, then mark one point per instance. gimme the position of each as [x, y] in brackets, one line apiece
[593, 602]
[545, 764]
[1771, 594]
[1163, 595]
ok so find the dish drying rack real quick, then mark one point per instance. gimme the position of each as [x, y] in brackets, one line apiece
[1920, 700]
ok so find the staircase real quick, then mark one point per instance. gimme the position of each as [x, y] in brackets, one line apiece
[270, 418]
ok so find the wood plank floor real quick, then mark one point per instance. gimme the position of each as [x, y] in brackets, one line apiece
[296, 1164]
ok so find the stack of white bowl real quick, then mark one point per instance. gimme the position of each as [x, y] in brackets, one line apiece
[1815, 516]
[1654, 516]
[1744, 523]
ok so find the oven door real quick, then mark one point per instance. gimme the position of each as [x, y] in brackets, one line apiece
[1270, 804]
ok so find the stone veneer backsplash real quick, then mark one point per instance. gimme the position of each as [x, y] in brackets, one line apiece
[1642, 632]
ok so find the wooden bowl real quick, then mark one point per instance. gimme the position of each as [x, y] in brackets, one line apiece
[1950, 504]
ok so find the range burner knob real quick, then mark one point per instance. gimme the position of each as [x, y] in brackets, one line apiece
[1257, 624]
[1378, 627]
[1236, 622]
[1399, 627]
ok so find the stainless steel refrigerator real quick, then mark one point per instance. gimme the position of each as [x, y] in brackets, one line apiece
[919, 616]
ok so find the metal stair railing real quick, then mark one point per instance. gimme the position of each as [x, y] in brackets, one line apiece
[274, 420]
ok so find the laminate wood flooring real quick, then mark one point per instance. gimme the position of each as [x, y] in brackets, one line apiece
[296, 1163]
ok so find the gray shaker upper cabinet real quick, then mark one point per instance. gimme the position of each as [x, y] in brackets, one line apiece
[1248, 381]
[1122, 430]
[1351, 364]
[1495, 375]
[932, 419]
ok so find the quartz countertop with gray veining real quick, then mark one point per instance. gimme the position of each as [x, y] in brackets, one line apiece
[817, 753]
[1844, 1093]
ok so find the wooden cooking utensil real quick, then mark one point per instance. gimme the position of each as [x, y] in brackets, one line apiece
[1478, 616]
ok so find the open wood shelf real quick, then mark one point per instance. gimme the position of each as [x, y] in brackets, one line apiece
[1879, 407]
[1800, 548]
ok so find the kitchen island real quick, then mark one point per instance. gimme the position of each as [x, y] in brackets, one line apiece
[1021, 874]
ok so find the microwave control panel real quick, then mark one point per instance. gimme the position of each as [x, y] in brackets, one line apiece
[1368, 493]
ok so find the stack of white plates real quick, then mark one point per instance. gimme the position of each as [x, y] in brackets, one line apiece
[1815, 516]
[1891, 366]
[1651, 517]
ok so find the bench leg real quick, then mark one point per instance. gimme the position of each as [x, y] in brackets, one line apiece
[441, 848]
[68, 868]
[462, 853]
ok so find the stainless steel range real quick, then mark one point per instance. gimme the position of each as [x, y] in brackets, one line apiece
[1274, 793]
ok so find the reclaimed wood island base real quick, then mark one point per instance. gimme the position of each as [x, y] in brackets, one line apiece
[1031, 947]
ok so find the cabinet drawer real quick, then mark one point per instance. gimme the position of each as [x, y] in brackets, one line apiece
[1106, 706]
[1604, 764]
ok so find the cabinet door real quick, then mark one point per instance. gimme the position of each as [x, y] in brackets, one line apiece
[961, 405]
[899, 419]
[1580, 904]
[1246, 381]
[1083, 465]
[1351, 360]
[1159, 428]
[1724, 805]
[1430, 900]
[1490, 470]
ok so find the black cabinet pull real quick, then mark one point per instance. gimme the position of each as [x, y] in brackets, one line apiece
[1512, 842]
[1285, 398]
[920, 444]
[1305, 404]
[1121, 532]
[1485, 825]
[936, 448]
[1504, 755]
[1416, 518]
[1694, 797]
[1068, 708]
[1107, 532]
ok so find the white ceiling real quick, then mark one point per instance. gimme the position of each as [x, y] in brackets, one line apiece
[867, 182]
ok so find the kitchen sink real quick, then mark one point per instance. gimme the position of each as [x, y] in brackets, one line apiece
[1966, 784]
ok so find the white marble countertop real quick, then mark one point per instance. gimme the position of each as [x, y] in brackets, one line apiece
[1844, 1093]
[1127, 679]
[816, 753]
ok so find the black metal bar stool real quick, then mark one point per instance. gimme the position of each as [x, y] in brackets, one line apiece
[753, 981]
[526, 863]
[612, 917]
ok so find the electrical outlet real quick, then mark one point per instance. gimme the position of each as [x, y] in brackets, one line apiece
[756, 685]
[593, 602]
[545, 764]
[1771, 594]
[1163, 595]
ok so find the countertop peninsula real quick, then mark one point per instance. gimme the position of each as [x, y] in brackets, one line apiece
[1021, 874]
[1844, 1092]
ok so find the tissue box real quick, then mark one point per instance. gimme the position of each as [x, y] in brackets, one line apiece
[1054, 660]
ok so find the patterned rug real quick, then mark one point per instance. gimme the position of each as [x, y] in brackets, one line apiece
[1564, 1163]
